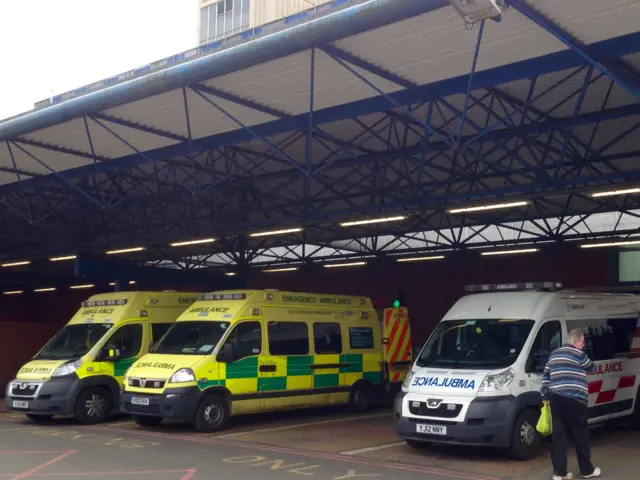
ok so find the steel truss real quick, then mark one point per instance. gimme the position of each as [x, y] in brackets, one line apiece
[550, 131]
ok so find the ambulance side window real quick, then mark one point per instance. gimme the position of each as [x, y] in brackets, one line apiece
[606, 339]
[128, 340]
[327, 338]
[288, 338]
[246, 339]
[548, 339]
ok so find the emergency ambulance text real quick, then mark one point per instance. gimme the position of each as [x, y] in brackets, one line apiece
[443, 382]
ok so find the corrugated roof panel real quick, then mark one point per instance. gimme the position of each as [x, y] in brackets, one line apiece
[108, 145]
[6, 178]
[278, 84]
[164, 112]
[437, 45]
[592, 20]
[207, 120]
[71, 134]
[47, 160]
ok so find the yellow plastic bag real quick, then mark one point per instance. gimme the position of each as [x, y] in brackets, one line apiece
[544, 424]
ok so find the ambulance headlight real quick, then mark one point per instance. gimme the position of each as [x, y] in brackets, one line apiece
[497, 381]
[182, 376]
[407, 379]
[67, 368]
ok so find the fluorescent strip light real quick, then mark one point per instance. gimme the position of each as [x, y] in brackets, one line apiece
[15, 264]
[511, 252]
[49, 289]
[14, 292]
[62, 259]
[125, 250]
[112, 284]
[483, 208]
[611, 244]
[420, 259]
[276, 270]
[613, 193]
[132, 282]
[374, 220]
[276, 232]
[339, 265]
[81, 287]
[230, 274]
[192, 242]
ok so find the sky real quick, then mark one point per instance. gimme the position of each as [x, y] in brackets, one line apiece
[59, 45]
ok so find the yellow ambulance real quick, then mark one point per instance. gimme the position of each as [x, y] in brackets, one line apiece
[80, 370]
[238, 352]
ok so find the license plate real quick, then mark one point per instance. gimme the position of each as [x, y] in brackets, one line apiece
[19, 404]
[140, 401]
[431, 429]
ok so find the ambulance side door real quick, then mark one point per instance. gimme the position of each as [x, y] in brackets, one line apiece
[128, 340]
[547, 339]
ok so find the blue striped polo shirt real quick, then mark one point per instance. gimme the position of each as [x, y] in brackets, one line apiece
[566, 374]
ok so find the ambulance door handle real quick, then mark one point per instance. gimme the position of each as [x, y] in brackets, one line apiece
[267, 368]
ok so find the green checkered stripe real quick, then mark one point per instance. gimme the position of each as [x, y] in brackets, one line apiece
[299, 374]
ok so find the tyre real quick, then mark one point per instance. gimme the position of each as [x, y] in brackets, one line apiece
[147, 421]
[37, 418]
[93, 406]
[525, 439]
[361, 397]
[212, 414]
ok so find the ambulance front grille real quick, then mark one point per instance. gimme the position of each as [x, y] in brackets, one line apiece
[444, 410]
[146, 383]
[150, 409]
[25, 389]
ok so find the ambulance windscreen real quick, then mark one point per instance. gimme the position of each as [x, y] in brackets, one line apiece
[74, 341]
[477, 344]
[191, 338]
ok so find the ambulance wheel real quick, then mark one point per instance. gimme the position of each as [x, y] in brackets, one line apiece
[147, 421]
[361, 397]
[34, 417]
[212, 414]
[93, 406]
[525, 439]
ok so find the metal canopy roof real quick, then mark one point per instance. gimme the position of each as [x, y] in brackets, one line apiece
[372, 108]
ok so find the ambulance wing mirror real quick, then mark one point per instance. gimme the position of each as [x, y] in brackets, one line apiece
[227, 354]
[110, 354]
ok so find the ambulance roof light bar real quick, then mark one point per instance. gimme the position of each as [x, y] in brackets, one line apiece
[513, 287]
[103, 303]
[222, 296]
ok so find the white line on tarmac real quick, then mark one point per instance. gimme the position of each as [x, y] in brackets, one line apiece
[301, 425]
[372, 449]
[120, 424]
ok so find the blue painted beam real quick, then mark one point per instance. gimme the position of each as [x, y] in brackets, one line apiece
[567, 59]
[612, 69]
[298, 38]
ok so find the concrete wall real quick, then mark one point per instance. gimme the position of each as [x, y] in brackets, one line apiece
[265, 11]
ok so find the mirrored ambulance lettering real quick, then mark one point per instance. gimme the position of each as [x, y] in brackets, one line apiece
[443, 382]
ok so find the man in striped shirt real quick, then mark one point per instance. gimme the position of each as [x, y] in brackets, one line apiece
[566, 388]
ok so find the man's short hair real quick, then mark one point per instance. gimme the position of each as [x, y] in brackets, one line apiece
[574, 335]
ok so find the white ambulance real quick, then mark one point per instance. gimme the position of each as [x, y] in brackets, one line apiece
[477, 379]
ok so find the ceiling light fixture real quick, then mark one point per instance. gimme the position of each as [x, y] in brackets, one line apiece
[511, 252]
[484, 208]
[192, 242]
[81, 287]
[42, 290]
[278, 270]
[340, 265]
[62, 259]
[16, 264]
[611, 244]
[13, 292]
[125, 250]
[420, 259]
[276, 232]
[373, 221]
[613, 193]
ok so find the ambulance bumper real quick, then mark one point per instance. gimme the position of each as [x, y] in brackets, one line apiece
[179, 403]
[51, 397]
[488, 423]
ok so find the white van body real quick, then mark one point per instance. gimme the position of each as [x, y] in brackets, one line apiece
[454, 394]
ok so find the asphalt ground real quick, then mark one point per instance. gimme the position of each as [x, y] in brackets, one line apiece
[326, 444]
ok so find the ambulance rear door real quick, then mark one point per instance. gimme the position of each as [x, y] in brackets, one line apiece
[397, 345]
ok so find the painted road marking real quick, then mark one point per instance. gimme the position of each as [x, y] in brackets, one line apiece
[43, 465]
[373, 449]
[120, 424]
[305, 453]
[302, 425]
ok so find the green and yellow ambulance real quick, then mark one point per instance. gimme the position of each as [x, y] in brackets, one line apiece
[80, 370]
[239, 352]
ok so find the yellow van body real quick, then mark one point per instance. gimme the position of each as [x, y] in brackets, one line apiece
[80, 370]
[238, 352]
